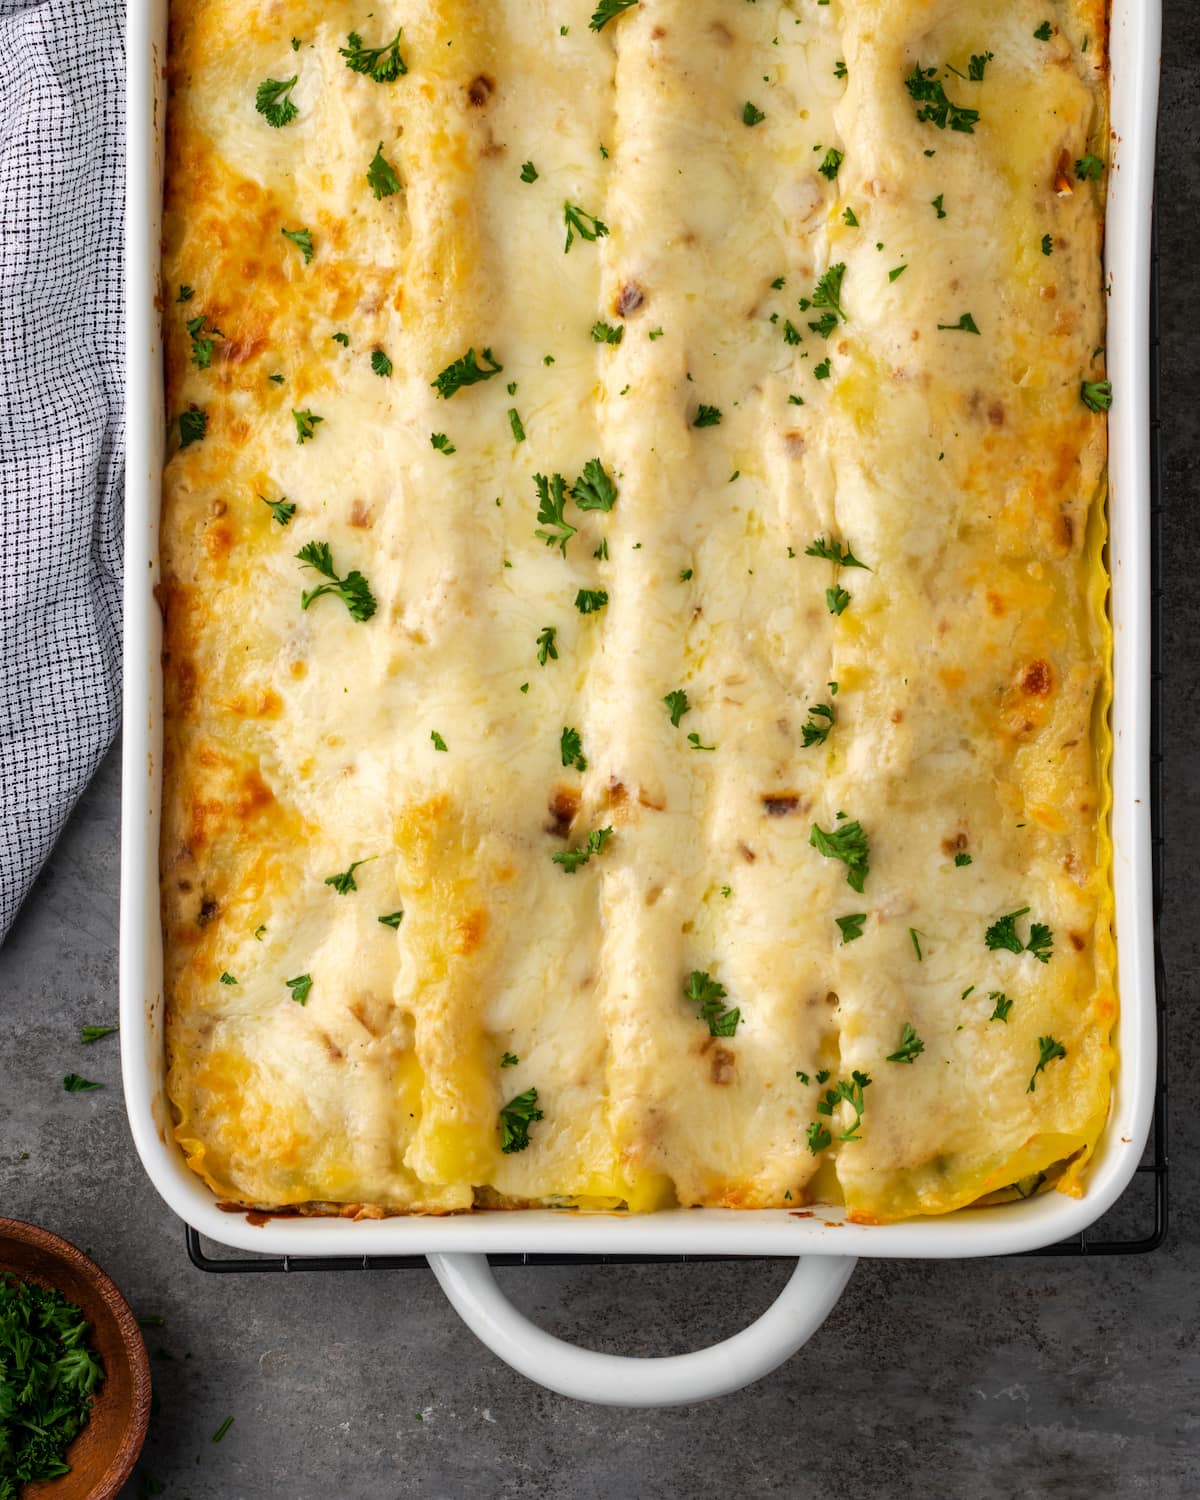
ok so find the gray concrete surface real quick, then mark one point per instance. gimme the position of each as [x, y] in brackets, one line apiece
[990, 1380]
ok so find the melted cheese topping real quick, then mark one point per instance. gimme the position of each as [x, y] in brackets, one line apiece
[966, 673]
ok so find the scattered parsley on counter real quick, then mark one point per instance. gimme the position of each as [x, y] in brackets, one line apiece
[1048, 1050]
[579, 222]
[465, 371]
[707, 416]
[193, 424]
[751, 115]
[272, 101]
[851, 926]
[571, 749]
[383, 64]
[345, 882]
[1096, 395]
[74, 1084]
[381, 175]
[306, 425]
[591, 601]
[910, 1048]
[353, 590]
[94, 1033]
[282, 510]
[571, 859]
[1003, 1006]
[393, 919]
[302, 238]
[48, 1376]
[709, 996]
[380, 363]
[300, 986]
[515, 1119]
[546, 649]
[677, 705]
[926, 90]
[606, 11]
[849, 844]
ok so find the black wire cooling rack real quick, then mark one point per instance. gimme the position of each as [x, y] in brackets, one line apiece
[1138, 1223]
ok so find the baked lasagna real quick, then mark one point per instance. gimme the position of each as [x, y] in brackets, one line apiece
[636, 656]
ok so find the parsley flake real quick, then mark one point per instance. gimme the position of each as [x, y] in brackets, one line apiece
[300, 987]
[579, 222]
[272, 100]
[301, 238]
[851, 926]
[848, 843]
[353, 590]
[465, 371]
[572, 859]
[381, 175]
[709, 996]
[382, 64]
[515, 1119]
[910, 1048]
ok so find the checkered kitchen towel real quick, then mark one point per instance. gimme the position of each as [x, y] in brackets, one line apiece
[61, 415]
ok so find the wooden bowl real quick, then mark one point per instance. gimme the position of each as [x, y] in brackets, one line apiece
[103, 1455]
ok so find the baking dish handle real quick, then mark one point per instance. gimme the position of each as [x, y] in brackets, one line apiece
[670, 1380]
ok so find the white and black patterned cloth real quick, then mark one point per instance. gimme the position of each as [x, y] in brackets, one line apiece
[62, 459]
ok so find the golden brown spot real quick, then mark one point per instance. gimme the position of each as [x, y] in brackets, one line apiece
[358, 1011]
[657, 34]
[240, 350]
[722, 1063]
[653, 894]
[470, 931]
[996, 414]
[1078, 941]
[1062, 175]
[629, 299]
[955, 844]
[331, 1047]
[1037, 681]
[897, 716]
[654, 800]
[564, 805]
[721, 33]
[208, 910]
[361, 516]
[747, 853]
[298, 669]
[779, 804]
[1048, 293]
[217, 508]
[1065, 528]
[794, 444]
[481, 89]
[616, 793]
[995, 604]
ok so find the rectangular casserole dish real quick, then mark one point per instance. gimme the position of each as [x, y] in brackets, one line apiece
[1026, 1225]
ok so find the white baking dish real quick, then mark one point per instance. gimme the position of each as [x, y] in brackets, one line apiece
[824, 1244]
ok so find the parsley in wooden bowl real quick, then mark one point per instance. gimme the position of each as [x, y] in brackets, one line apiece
[74, 1377]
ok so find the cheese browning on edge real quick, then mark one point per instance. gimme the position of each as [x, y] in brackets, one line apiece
[804, 709]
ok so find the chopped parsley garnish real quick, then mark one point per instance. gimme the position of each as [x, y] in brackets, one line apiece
[962, 858]
[383, 64]
[380, 363]
[193, 424]
[823, 370]
[896, 272]
[74, 1084]
[965, 324]
[302, 238]
[834, 552]
[707, 416]
[202, 345]
[341, 338]
[1041, 942]
[1003, 1006]
[831, 163]
[514, 421]
[850, 217]
[272, 101]
[186, 293]
[823, 1075]
[1097, 395]
[227, 978]
[677, 705]
[820, 722]
[849, 844]
[936, 204]
[828, 292]
[839, 69]
[975, 68]
[222, 1430]
[442, 443]
[793, 336]
[601, 551]
[852, 1093]
[694, 742]
[590, 601]
[555, 529]
[529, 173]
[515, 1119]
[1047, 244]
[509, 1060]
[606, 11]
[925, 88]
[915, 939]
[751, 115]
[393, 919]
[300, 986]
[282, 510]
[571, 749]
[685, 575]
[94, 1033]
[259, 931]
[306, 425]
[465, 371]
[275, 379]
[605, 333]
[1044, 32]
[1002, 934]
[910, 1048]
[571, 859]
[837, 598]
[851, 926]
[545, 644]
[709, 996]
[381, 175]
[594, 490]
[48, 1376]
[1088, 168]
[655, 333]
[818, 1137]
[437, 741]
[779, 283]
[579, 222]
[1048, 1050]
[353, 590]
[345, 882]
